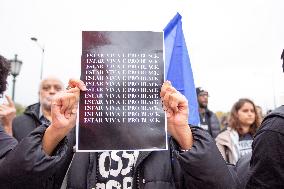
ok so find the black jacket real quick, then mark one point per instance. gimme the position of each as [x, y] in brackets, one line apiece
[7, 143]
[267, 162]
[24, 164]
[242, 169]
[201, 167]
[25, 124]
[213, 123]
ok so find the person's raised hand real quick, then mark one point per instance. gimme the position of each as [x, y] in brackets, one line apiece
[64, 108]
[176, 107]
[65, 104]
[7, 114]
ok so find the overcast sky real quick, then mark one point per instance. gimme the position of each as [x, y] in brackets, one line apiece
[234, 46]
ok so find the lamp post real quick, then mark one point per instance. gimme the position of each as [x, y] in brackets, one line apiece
[42, 54]
[15, 70]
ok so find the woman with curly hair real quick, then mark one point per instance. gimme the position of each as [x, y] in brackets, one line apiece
[236, 140]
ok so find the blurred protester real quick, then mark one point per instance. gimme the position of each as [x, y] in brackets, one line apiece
[39, 113]
[259, 112]
[224, 120]
[208, 120]
[7, 114]
[36, 157]
[236, 140]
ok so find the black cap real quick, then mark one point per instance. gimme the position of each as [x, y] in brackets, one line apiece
[200, 90]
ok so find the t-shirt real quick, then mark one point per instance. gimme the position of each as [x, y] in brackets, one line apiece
[245, 145]
[204, 122]
[115, 169]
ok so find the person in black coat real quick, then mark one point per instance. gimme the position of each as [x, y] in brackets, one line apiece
[208, 119]
[267, 162]
[39, 113]
[37, 155]
[264, 167]
[192, 160]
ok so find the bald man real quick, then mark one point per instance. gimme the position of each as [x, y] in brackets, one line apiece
[39, 113]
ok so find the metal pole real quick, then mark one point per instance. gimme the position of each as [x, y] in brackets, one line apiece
[42, 55]
[13, 91]
[42, 59]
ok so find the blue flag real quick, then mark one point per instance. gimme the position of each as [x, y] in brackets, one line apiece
[178, 68]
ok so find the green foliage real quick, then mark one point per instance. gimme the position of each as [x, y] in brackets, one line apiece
[220, 114]
[19, 108]
[223, 118]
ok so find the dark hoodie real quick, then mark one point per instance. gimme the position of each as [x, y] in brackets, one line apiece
[26, 122]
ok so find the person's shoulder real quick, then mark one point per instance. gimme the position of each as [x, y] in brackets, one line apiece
[19, 119]
[224, 135]
[30, 111]
[273, 123]
[33, 108]
[226, 131]
[210, 113]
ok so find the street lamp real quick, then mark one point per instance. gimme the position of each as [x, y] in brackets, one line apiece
[42, 54]
[15, 70]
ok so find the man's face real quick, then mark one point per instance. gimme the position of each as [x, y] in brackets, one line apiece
[203, 99]
[48, 88]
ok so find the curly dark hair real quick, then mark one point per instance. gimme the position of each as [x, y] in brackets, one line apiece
[4, 72]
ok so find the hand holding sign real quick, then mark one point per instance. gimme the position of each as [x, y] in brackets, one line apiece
[63, 112]
[176, 107]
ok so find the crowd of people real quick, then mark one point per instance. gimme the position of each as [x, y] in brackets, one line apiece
[236, 137]
[36, 147]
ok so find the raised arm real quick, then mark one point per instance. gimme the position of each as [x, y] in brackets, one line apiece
[195, 151]
[176, 107]
[63, 112]
[7, 114]
[37, 156]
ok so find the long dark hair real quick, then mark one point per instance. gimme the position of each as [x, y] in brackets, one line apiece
[234, 120]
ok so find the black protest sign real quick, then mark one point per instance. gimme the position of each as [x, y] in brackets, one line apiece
[121, 109]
